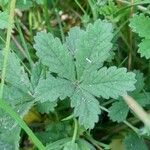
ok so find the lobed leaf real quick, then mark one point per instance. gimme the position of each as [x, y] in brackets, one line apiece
[52, 88]
[144, 48]
[74, 36]
[133, 142]
[109, 82]
[140, 24]
[86, 107]
[54, 55]
[94, 46]
[118, 111]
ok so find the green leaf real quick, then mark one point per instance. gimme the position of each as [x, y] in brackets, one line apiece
[90, 49]
[3, 20]
[118, 111]
[16, 76]
[140, 24]
[46, 107]
[84, 145]
[142, 98]
[93, 47]
[133, 142]
[52, 88]
[139, 85]
[24, 6]
[36, 74]
[54, 55]
[144, 48]
[109, 82]
[86, 107]
[9, 140]
[71, 146]
[74, 36]
[58, 145]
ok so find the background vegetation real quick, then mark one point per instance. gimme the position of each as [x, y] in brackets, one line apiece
[29, 119]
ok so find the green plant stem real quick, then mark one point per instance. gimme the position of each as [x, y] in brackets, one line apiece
[24, 43]
[7, 46]
[60, 25]
[125, 122]
[141, 8]
[93, 9]
[76, 1]
[96, 143]
[75, 130]
[46, 16]
[8, 109]
[132, 127]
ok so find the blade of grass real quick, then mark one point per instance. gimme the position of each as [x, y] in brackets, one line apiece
[8, 109]
[7, 45]
[47, 16]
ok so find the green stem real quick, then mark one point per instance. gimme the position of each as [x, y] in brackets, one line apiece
[7, 46]
[76, 1]
[24, 43]
[93, 9]
[132, 127]
[96, 143]
[46, 16]
[8, 109]
[136, 130]
[60, 25]
[75, 130]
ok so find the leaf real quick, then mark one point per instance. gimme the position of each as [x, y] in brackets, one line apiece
[109, 82]
[9, 140]
[16, 76]
[24, 6]
[144, 48]
[90, 50]
[139, 81]
[46, 107]
[86, 107]
[118, 111]
[71, 146]
[140, 24]
[54, 55]
[142, 98]
[58, 145]
[17, 94]
[3, 20]
[36, 74]
[94, 46]
[84, 145]
[133, 142]
[52, 88]
[74, 36]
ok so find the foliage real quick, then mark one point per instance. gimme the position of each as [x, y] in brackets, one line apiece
[140, 24]
[69, 67]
